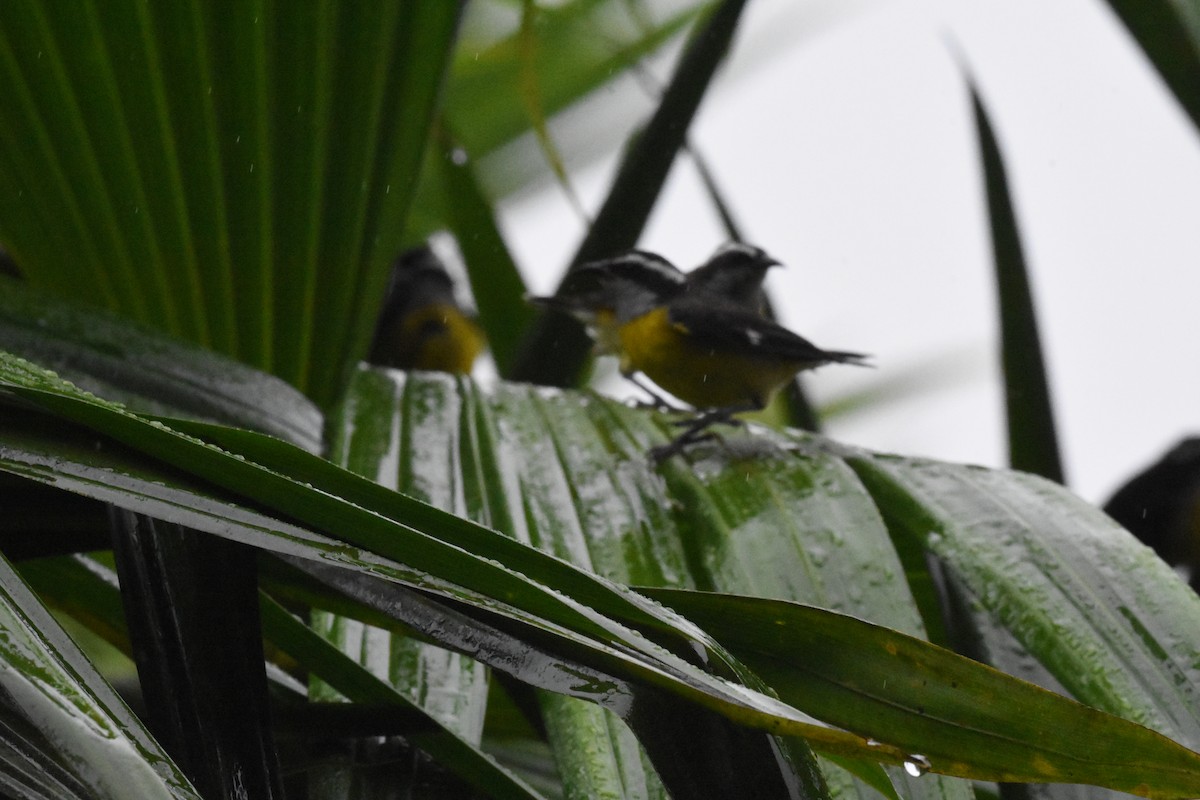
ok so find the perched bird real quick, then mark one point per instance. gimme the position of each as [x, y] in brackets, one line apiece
[733, 275]
[710, 347]
[1161, 506]
[591, 295]
[721, 358]
[421, 325]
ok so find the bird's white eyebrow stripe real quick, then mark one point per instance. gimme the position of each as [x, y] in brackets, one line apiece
[737, 247]
[657, 265]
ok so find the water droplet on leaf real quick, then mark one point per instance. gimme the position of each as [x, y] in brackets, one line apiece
[916, 765]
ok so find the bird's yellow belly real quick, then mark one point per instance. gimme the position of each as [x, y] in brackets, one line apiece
[439, 338]
[701, 376]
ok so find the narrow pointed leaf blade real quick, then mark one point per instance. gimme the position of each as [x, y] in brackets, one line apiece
[496, 283]
[1032, 440]
[582, 44]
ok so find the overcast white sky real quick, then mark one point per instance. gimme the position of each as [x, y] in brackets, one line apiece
[842, 135]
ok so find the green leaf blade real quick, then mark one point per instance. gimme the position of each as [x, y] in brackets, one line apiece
[1112, 622]
[952, 714]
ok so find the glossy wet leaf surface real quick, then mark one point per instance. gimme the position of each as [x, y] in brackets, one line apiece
[551, 464]
[66, 733]
[149, 371]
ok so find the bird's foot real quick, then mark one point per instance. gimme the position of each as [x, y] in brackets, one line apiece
[696, 430]
[661, 453]
[706, 419]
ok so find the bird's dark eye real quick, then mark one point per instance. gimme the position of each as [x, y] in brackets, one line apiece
[431, 327]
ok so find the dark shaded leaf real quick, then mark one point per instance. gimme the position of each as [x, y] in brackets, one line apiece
[496, 283]
[190, 600]
[358, 685]
[600, 657]
[1168, 31]
[69, 456]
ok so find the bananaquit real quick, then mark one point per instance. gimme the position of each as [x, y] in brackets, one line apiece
[591, 296]
[709, 350]
[732, 276]
[721, 358]
[421, 325]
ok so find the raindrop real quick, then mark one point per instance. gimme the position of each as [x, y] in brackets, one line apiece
[916, 765]
[458, 156]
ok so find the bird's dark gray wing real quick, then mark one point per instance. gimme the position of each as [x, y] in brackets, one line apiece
[736, 331]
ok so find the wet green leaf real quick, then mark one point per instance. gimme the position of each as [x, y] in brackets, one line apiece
[1112, 622]
[496, 283]
[66, 733]
[559, 618]
[953, 714]
[567, 472]
[149, 372]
